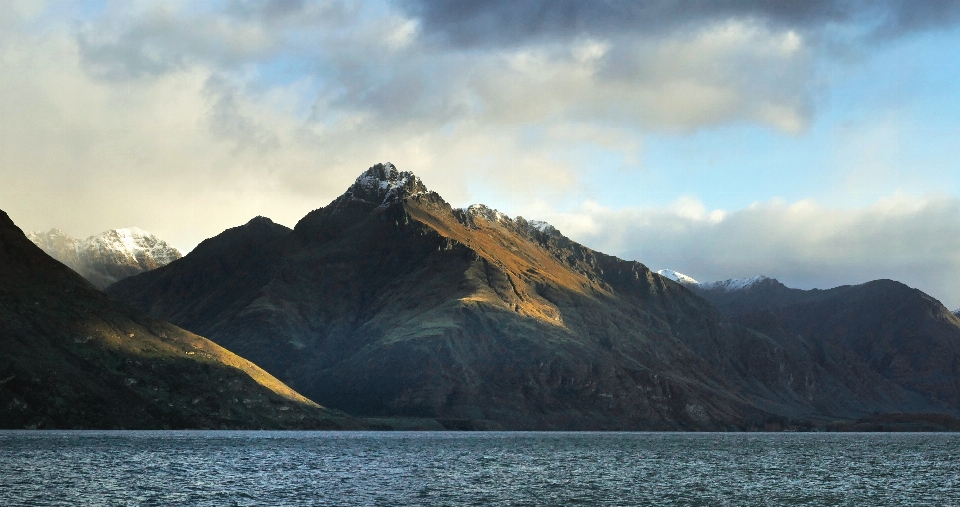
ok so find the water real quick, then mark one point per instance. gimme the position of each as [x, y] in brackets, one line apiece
[207, 468]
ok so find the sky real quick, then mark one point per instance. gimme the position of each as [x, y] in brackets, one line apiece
[813, 141]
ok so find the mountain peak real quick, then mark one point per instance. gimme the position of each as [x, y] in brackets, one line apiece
[52, 233]
[484, 211]
[130, 243]
[383, 184]
[732, 284]
[260, 221]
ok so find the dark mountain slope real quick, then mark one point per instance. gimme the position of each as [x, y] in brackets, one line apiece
[388, 301]
[899, 332]
[878, 329]
[765, 294]
[71, 357]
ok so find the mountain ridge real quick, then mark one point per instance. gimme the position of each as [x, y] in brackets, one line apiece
[109, 256]
[389, 301]
[886, 327]
[74, 358]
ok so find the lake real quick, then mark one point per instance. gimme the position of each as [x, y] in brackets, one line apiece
[207, 468]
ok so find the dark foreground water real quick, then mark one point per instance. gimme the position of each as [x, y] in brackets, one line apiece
[364, 468]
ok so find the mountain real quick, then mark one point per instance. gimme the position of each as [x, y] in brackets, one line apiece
[901, 333]
[882, 327]
[71, 357]
[388, 301]
[109, 256]
[723, 286]
[745, 295]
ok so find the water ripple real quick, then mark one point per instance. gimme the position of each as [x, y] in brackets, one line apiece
[211, 468]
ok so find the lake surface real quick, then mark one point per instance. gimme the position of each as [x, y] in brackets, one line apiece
[207, 468]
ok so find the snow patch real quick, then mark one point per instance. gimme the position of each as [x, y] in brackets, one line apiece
[723, 285]
[733, 283]
[483, 211]
[540, 225]
[677, 277]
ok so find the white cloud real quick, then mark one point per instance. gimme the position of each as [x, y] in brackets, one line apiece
[915, 240]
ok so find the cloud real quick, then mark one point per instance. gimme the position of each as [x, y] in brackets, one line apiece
[150, 113]
[504, 22]
[915, 240]
[370, 62]
[197, 148]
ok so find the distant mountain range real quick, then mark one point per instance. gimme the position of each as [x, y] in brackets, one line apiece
[109, 256]
[883, 327]
[71, 357]
[388, 301]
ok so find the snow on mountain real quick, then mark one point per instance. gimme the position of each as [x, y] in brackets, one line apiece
[540, 225]
[383, 184]
[59, 245]
[733, 283]
[134, 245]
[723, 285]
[957, 312]
[492, 215]
[109, 256]
[677, 277]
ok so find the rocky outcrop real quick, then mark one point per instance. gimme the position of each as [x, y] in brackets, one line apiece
[71, 357]
[109, 256]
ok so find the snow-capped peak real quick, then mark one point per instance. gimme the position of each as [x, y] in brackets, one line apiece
[131, 243]
[109, 256]
[733, 283]
[723, 285]
[383, 184]
[677, 277]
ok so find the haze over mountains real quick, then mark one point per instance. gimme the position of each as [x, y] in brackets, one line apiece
[388, 301]
[109, 256]
[71, 357]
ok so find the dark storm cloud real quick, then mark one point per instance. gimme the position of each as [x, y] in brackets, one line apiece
[506, 22]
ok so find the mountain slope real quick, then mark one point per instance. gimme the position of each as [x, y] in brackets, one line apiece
[73, 358]
[388, 301]
[109, 256]
[747, 295]
[902, 334]
[886, 328]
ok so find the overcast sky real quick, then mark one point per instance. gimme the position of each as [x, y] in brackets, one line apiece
[817, 142]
